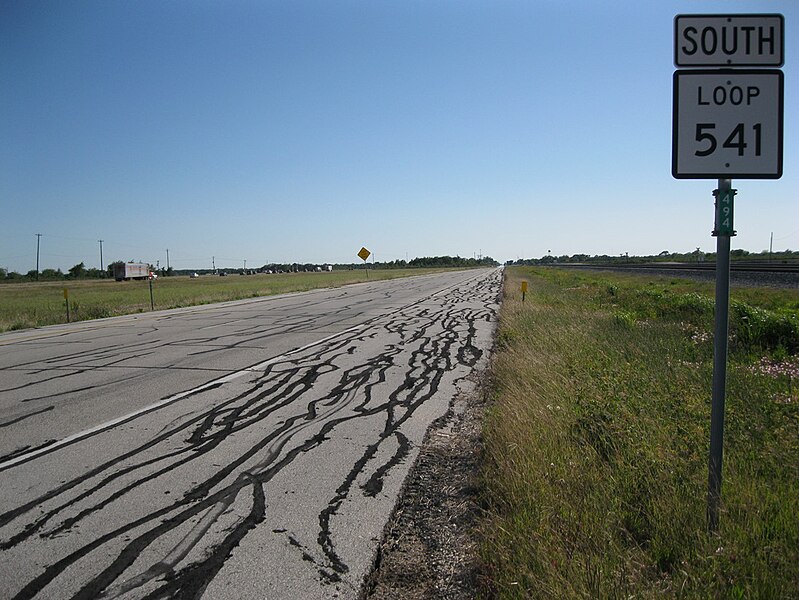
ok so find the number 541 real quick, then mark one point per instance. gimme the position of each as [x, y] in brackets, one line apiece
[736, 140]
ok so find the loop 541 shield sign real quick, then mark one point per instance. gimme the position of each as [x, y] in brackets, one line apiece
[727, 124]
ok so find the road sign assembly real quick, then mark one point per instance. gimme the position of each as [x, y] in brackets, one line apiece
[726, 123]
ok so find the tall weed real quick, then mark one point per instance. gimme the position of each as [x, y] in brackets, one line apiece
[595, 470]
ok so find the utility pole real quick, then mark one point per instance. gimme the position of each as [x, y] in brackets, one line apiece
[770, 244]
[101, 254]
[213, 264]
[38, 238]
[167, 259]
[245, 266]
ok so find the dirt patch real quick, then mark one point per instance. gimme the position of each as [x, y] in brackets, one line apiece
[429, 549]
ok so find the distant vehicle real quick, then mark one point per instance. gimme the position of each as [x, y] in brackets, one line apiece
[131, 270]
[222, 274]
[194, 275]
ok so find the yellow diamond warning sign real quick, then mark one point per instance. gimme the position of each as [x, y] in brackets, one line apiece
[364, 254]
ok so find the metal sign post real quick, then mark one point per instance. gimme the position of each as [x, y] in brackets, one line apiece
[723, 231]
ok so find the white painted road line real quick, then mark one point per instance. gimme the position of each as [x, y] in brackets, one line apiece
[76, 437]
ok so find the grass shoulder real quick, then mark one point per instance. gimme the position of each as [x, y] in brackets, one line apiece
[595, 468]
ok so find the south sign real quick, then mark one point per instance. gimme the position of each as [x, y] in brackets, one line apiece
[729, 40]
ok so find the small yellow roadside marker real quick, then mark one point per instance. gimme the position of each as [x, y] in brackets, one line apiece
[524, 289]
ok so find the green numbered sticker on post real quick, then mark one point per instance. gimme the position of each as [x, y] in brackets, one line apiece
[724, 212]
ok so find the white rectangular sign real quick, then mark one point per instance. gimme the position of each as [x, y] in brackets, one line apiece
[727, 124]
[729, 40]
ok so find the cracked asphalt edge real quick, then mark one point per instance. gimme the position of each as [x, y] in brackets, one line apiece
[429, 545]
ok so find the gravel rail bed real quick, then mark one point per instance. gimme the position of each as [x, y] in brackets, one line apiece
[737, 278]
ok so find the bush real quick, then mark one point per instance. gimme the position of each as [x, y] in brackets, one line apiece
[756, 330]
[690, 307]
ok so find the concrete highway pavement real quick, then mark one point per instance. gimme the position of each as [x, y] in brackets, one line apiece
[241, 450]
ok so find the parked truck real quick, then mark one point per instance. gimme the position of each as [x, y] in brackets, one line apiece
[131, 270]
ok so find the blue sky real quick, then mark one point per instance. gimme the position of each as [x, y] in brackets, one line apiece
[299, 131]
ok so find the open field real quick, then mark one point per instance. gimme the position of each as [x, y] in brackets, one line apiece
[595, 465]
[27, 305]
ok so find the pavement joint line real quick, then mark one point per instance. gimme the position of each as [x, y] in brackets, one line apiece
[76, 437]
[37, 335]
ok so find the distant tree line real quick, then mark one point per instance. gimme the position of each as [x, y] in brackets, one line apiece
[665, 256]
[79, 271]
[435, 261]
[453, 261]
[427, 261]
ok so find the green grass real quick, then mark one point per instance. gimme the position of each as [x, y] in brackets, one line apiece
[595, 473]
[25, 305]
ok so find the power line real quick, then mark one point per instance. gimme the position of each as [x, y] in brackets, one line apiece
[785, 237]
[70, 256]
[64, 237]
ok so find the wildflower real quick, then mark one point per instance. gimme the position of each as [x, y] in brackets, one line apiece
[788, 368]
[773, 368]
